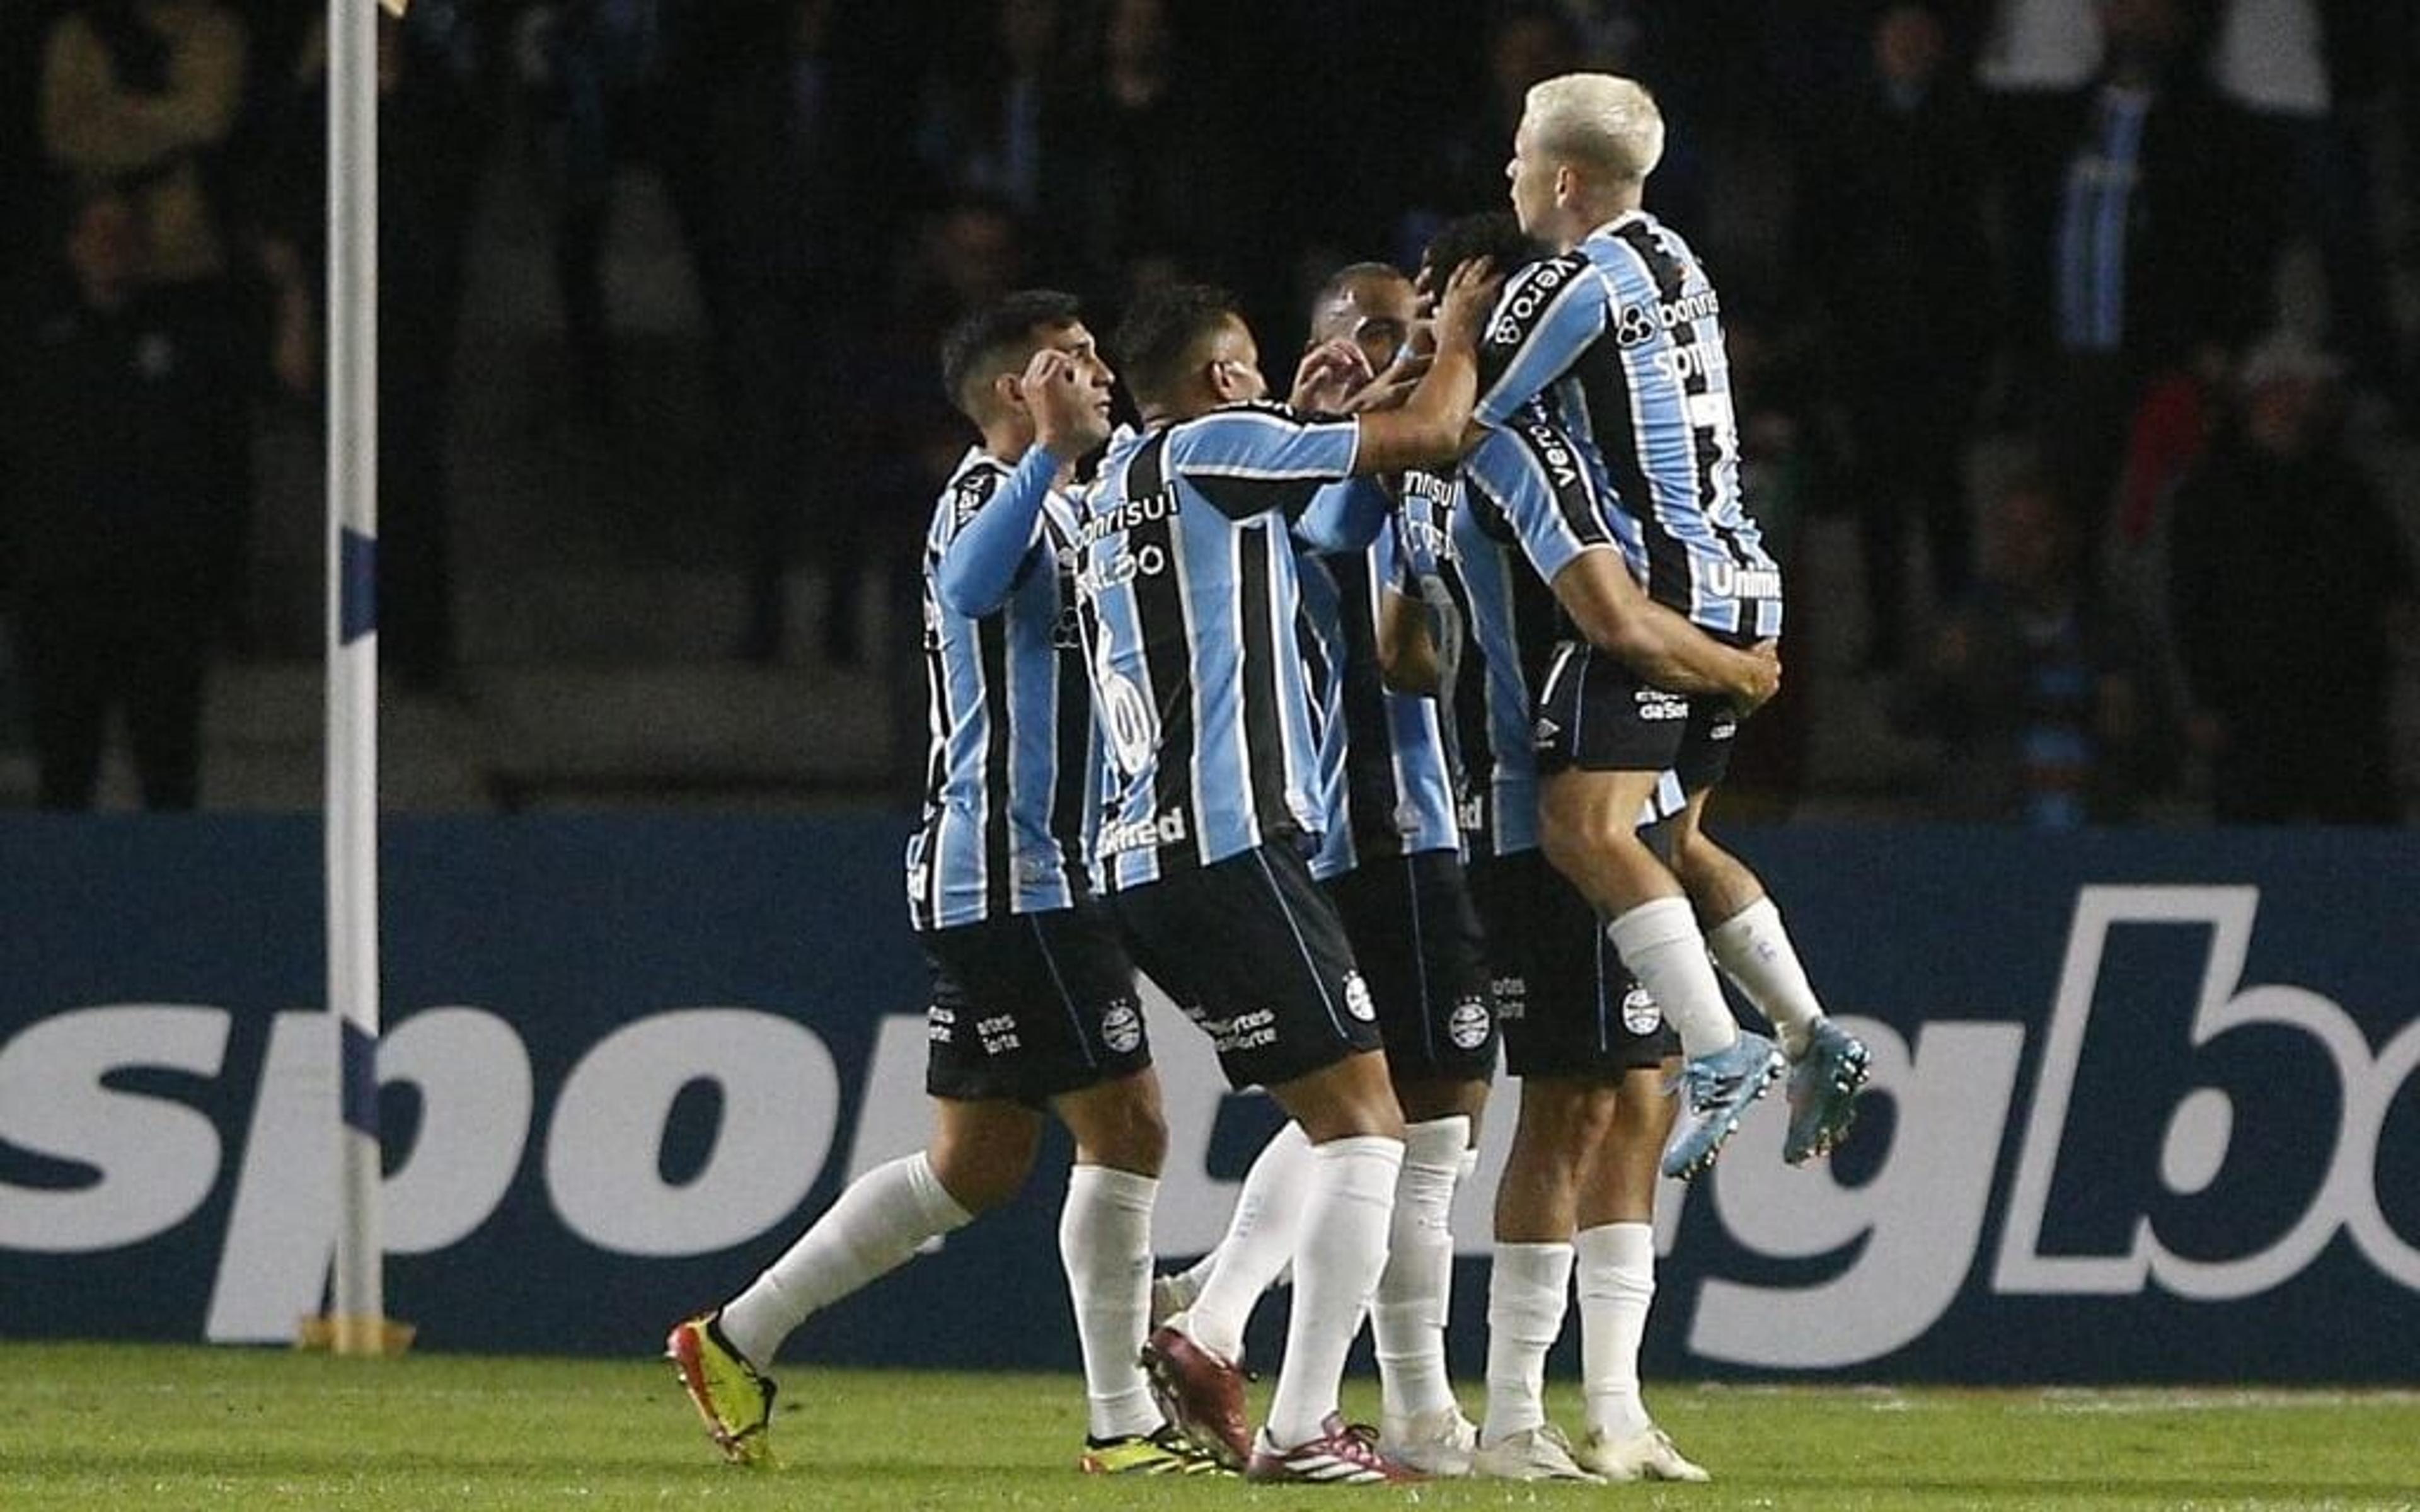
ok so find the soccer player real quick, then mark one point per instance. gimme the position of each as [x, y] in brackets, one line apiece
[1390, 859]
[1185, 576]
[1521, 514]
[1034, 1004]
[1621, 332]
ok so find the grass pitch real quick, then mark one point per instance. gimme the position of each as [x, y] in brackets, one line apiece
[115, 1427]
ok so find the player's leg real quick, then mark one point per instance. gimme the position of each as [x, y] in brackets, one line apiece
[1287, 1009]
[1611, 738]
[1417, 934]
[1614, 1264]
[1255, 1251]
[1743, 931]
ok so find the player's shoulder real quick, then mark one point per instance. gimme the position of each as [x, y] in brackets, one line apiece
[972, 485]
[1239, 427]
[1532, 292]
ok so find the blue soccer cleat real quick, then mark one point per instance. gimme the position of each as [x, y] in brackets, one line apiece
[1714, 1090]
[1824, 1078]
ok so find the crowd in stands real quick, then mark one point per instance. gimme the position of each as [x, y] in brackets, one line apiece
[2055, 225]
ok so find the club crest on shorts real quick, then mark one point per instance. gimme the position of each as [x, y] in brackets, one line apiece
[1639, 1014]
[1122, 1027]
[1356, 997]
[1466, 1023]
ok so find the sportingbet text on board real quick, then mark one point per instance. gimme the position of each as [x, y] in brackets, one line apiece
[2147, 1106]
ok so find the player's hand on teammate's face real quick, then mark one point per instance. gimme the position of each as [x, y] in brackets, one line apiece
[1069, 417]
[1389, 389]
[1462, 308]
[1764, 680]
[1328, 375]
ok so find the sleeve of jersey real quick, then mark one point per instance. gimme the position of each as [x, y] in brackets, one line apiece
[1255, 459]
[1545, 318]
[1545, 496]
[1344, 517]
[993, 526]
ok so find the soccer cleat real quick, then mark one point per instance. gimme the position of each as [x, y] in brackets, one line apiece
[1824, 1077]
[736, 1401]
[1647, 1454]
[1200, 1393]
[1715, 1088]
[1344, 1453]
[1437, 1443]
[1161, 1452]
[1533, 1453]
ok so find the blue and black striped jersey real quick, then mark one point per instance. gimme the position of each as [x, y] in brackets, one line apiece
[1186, 575]
[1011, 753]
[1624, 336]
[1393, 792]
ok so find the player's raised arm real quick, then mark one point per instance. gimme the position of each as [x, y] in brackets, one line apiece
[1428, 430]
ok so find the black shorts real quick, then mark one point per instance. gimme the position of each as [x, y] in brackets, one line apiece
[1594, 715]
[1418, 939]
[1570, 1007]
[1252, 950]
[1029, 1007]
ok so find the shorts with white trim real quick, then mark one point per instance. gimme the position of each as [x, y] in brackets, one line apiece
[1570, 1008]
[1595, 715]
[1253, 952]
[1418, 939]
[1029, 1006]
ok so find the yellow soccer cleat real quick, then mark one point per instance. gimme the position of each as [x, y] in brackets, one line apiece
[736, 1401]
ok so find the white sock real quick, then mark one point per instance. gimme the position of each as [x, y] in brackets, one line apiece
[1260, 1241]
[870, 1231]
[1528, 1285]
[1407, 1319]
[1345, 1210]
[1105, 1243]
[1617, 1282]
[1754, 951]
[1659, 942]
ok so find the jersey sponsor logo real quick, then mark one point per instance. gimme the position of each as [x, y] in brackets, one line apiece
[1146, 561]
[1636, 324]
[1694, 360]
[1356, 997]
[1512, 997]
[1119, 518]
[1528, 300]
[1639, 1014]
[1653, 703]
[1122, 1026]
[972, 492]
[1466, 1023]
[1123, 835]
[1729, 580]
[1471, 813]
[940, 1025]
[1562, 464]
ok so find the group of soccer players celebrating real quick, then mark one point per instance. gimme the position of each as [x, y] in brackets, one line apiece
[1375, 727]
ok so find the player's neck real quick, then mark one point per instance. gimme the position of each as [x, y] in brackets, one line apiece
[1591, 215]
[1007, 442]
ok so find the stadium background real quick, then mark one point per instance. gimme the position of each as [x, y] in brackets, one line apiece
[617, 550]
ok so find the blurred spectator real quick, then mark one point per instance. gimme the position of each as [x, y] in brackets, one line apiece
[2146, 267]
[587, 66]
[124, 549]
[142, 94]
[1890, 237]
[434, 127]
[2035, 55]
[2290, 585]
[2043, 694]
[2302, 78]
[985, 123]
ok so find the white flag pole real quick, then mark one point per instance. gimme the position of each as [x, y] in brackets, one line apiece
[357, 1324]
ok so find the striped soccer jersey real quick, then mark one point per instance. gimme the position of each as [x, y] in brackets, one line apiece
[1527, 505]
[1011, 749]
[1623, 334]
[1186, 578]
[1392, 791]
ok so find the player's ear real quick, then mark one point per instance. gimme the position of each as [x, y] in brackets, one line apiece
[1006, 394]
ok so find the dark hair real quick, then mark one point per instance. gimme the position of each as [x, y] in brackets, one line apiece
[1159, 333]
[1491, 234]
[976, 347]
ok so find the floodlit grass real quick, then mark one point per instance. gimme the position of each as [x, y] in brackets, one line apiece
[114, 1426]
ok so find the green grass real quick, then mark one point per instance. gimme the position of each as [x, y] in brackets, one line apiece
[113, 1426]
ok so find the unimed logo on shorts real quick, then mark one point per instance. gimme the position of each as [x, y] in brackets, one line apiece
[1995, 1171]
